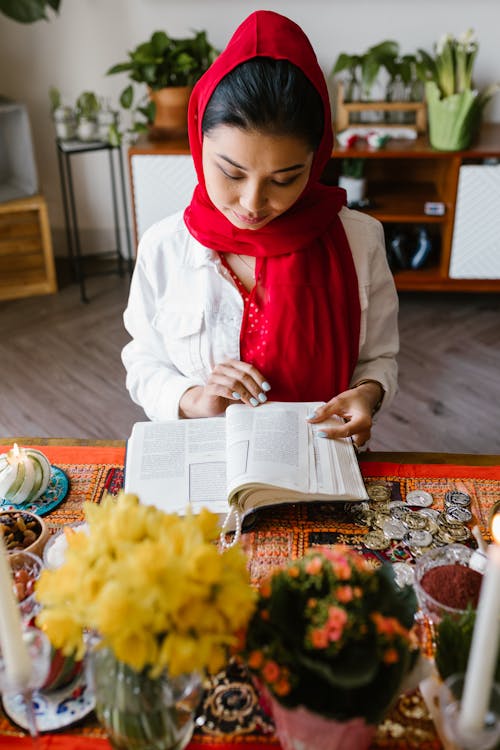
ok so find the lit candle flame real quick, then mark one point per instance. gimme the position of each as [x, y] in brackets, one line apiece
[495, 528]
[16, 451]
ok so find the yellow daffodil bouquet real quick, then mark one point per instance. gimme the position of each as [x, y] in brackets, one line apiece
[153, 586]
[331, 634]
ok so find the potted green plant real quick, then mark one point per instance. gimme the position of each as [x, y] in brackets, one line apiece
[352, 179]
[455, 106]
[363, 70]
[63, 115]
[329, 646]
[87, 107]
[169, 68]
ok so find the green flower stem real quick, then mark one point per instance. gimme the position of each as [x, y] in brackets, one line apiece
[140, 712]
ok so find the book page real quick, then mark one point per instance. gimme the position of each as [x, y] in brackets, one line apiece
[268, 444]
[178, 464]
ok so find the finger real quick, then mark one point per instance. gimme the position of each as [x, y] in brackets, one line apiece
[244, 380]
[333, 429]
[320, 413]
[361, 438]
[249, 371]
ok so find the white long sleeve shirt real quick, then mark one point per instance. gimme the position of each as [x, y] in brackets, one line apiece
[184, 314]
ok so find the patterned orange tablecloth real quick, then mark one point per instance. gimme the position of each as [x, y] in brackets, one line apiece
[233, 717]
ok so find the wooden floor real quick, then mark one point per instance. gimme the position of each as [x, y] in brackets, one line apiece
[62, 374]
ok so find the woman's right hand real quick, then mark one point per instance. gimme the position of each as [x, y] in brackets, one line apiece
[229, 382]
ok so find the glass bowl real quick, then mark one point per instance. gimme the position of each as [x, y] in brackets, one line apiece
[55, 549]
[449, 554]
[26, 568]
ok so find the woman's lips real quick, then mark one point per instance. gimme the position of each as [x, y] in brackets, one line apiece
[251, 220]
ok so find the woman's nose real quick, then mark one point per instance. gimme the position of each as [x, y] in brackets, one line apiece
[253, 197]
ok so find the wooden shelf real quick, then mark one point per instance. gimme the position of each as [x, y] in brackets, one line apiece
[403, 203]
[26, 257]
[401, 177]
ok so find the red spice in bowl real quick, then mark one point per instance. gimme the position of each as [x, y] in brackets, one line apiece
[454, 586]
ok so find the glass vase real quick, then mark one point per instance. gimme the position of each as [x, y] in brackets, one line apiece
[139, 712]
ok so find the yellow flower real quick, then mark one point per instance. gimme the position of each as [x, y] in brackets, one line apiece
[62, 630]
[206, 564]
[152, 584]
[135, 649]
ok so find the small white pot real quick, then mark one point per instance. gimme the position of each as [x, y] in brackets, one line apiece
[355, 188]
[86, 129]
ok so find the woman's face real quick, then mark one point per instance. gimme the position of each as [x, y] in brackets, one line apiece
[253, 177]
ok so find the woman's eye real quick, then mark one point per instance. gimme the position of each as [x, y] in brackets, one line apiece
[284, 183]
[230, 176]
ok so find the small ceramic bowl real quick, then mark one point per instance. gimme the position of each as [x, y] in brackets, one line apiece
[26, 568]
[449, 554]
[23, 530]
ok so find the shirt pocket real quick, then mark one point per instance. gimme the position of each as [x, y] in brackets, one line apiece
[182, 332]
[364, 296]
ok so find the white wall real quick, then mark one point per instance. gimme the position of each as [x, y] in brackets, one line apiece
[73, 51]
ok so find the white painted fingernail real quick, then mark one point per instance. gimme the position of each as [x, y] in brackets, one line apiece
[235, 395]
[321, 434]
[266, 386]
[312, 415]
[262, 397]
[254, 401]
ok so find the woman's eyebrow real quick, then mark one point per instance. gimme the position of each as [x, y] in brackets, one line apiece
[244, 169]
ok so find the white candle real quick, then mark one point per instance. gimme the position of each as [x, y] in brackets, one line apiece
[484, 648]
[14, 652]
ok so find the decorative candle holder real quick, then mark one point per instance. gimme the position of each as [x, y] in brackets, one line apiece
[485, 738]
[38, 646]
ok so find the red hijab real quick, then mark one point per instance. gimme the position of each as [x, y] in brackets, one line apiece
[306, 281]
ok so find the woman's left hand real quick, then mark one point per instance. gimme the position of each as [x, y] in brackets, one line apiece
[356, 407]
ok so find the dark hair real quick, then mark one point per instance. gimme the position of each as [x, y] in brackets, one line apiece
[273, 96]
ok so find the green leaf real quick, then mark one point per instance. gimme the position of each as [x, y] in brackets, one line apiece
[114, 135]
[369, 71]
[343, 62]
[127, 97]
[24, 11]
[140, 127]
[356, 668]
[159, 43]
[119, 68]
[55, 98]
[384, 49]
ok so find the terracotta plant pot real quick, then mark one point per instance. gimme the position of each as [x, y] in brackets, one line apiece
[171, 111]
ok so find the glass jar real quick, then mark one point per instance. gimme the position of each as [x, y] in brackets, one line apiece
[64, 122]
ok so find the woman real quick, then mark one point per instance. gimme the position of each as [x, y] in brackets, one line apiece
[267, 286]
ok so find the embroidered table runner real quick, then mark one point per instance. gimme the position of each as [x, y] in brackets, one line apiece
[230, 710]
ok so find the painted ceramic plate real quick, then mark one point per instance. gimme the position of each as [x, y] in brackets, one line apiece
[56, 709]
[52, 497]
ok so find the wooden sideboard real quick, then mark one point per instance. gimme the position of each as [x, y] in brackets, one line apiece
[401, 178]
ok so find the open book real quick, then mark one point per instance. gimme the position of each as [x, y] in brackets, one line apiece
[251, 458]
